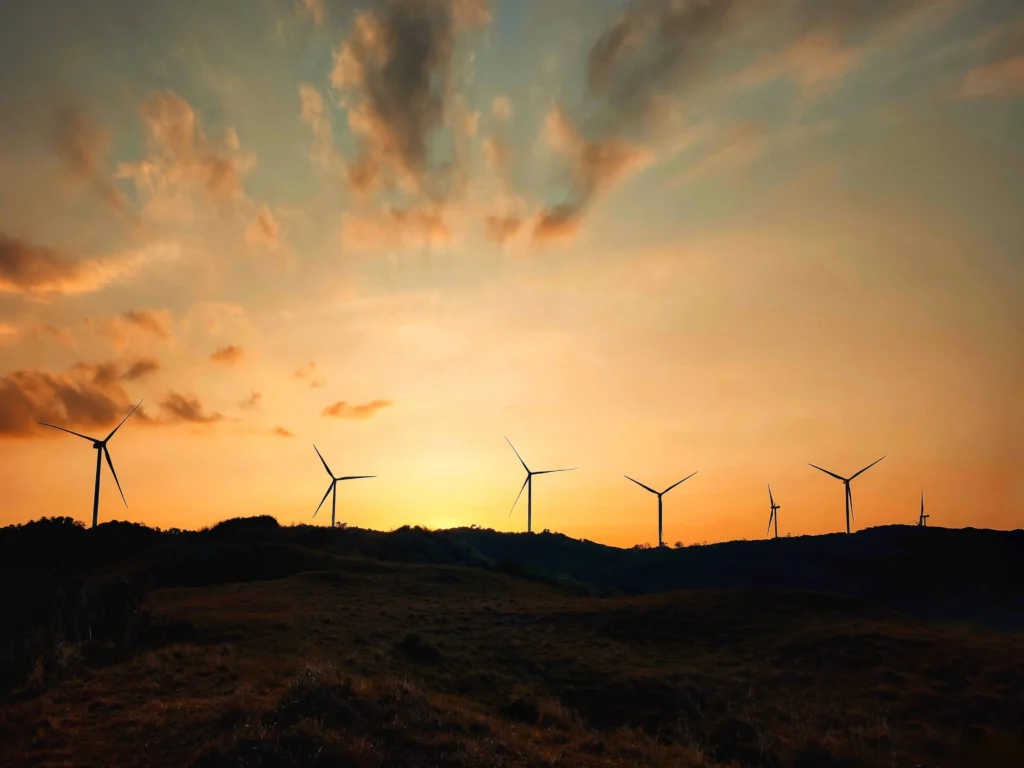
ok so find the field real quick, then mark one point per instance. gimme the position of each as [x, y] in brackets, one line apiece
[361, 661]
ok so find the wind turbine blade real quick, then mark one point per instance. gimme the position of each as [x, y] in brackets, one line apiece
[837, 477]
[324, 461]
[675, 484]
[518, 495]
[646, 487]
[849, 499]
[517, 455]
[133, 410]
[110, 464]
[353, 477]
[329, 487]
[770, 497]
[770, 518]
[869, 466]
[77, 434]
[549, 471]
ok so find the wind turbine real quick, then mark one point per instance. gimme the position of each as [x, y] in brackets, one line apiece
[528, 484]
[774, 516]
[333, 487]
[846, 482]
[101, 451]
[659, 494]
[922, 521]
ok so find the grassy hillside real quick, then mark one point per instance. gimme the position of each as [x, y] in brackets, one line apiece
[255, 645]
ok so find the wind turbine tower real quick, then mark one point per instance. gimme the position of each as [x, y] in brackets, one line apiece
[659, 494]
[332, 489]
[528, 485]
[774, 516]
[846, 483]
[101, 452]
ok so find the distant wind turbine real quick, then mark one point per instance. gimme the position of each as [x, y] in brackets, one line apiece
[922, 521]
[101, 451]
[528, 484]
[332, 489]
[846, 482]
[774, 516]
[659, 494]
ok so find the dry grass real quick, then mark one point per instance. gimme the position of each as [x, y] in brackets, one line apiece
[442, 666]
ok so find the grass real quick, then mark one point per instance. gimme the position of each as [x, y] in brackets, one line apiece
[385, 664]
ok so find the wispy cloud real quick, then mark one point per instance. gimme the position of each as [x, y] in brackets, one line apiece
[344, 410]
[183, 164]
[252, 402]
[310, 374]
[38, 271]
[281, 432]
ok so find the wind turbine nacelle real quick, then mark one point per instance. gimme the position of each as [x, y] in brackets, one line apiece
[97, 444]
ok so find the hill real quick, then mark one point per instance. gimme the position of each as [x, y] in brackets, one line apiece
[253, 644]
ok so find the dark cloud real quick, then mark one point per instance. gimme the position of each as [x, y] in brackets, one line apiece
[150, 321]
[178, 408]
[37, 270]
[229, 355]
[657, 51]
[343, 410]
[86, 396]
[394, 69]
[141, 368]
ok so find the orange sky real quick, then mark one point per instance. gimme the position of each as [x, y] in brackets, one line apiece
[760, 238]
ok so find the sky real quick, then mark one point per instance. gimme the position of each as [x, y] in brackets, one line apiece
[636, 237]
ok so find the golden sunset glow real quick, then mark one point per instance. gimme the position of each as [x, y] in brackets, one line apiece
[634, 237]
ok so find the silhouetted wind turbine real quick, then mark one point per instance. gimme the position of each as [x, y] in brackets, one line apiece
[101, 451]
[659, 494]
[528, 484]
[922, 521]
[333, 487]
[846, 482]
[774, 516]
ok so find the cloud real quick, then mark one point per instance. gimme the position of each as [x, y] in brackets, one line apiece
[141, 368]
[656, 53]
[316, 9]
[1002, 79]
[593, 165]
[120, 328]
[314, 114]
[393, 74]
[501, 107]
[229, 355]
[281, 432]
[35, 270]
[182, 164]
[86, 396]
[178, 408]
[502, 228]
[264, 229]
[252, 402]
[414, 226]
[343, 410]
[156, 322]
[83, 147]
[738, 147]
[310, 374]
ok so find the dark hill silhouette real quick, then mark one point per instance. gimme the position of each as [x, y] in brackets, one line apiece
[939, 573]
